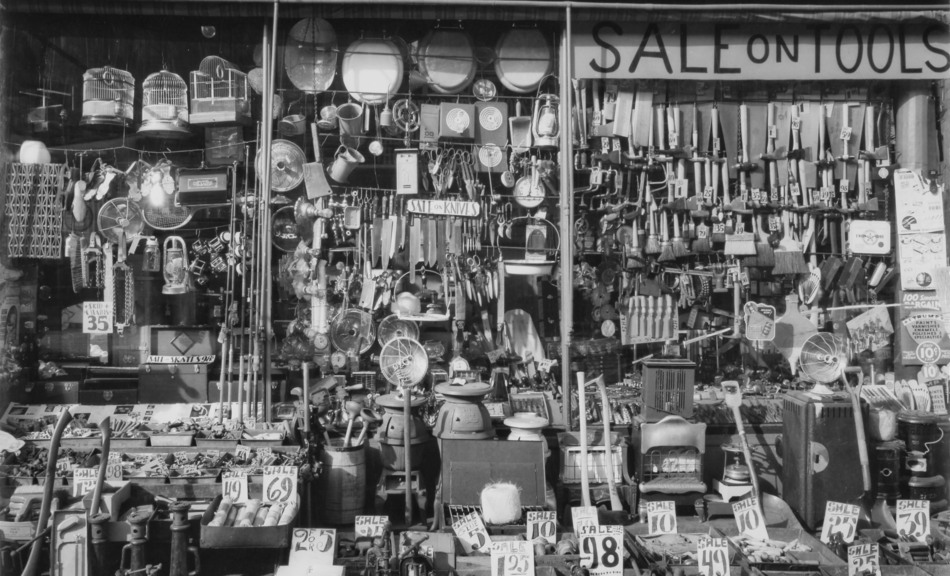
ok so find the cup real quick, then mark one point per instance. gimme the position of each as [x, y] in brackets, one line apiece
[328, 118]
[344, 162]
[350, 117]
[292, 125]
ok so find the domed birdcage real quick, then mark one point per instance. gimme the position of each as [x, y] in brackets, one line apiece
[220, 94]
[107, 95]
[164, 106]
[310, 55]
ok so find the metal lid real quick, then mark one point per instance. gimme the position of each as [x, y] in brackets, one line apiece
[394, 402]
[917, 417]
[526, 421]
[469, 390]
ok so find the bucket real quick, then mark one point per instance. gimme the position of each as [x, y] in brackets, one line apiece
[350, 117]
[292, 125]
[343, 483]
[344, 162]
[328, 118]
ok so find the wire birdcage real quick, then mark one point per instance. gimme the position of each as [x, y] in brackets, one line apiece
[164, 105]
[220, 93]
[107, 95]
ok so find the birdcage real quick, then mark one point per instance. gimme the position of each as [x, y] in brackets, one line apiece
[164, 106]
[107, 95]
[220, 94]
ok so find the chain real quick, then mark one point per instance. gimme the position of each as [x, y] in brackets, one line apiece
[128, 297]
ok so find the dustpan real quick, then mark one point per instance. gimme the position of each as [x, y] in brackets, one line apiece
[314, 175]
[519, 130]
[791, 331]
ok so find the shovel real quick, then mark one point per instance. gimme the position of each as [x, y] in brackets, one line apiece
[734, 401]
[880, 515]
[582, 409]
[314, 176]
[615, 503]
[105, 428]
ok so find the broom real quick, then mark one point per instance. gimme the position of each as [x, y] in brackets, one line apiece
[635, 253]
[666, 247]
[788, 255]
[653, 244]
[764, 255]
[678, 244]
[740, 244]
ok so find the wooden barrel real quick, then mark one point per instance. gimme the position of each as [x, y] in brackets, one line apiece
[343, 483]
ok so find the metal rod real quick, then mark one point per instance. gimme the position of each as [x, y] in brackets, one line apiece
[268, 285]
[566, 284]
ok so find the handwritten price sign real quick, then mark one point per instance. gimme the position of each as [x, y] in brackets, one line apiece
[863, 560]
[582, 517]
[312, 546]
[602, 550]
[471, 532]
[512, 558]
[661, 517]
[84, 480]
[97, 317]
[370, 526]
[750, 519]
[840, 519]
[713, 556]
[280, 484]
[542, 524]
[913, 519]
[234, 484]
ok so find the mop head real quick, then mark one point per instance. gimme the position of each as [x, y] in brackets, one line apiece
[501, 503]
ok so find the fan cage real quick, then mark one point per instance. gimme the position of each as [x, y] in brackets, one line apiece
[107, 93]
[166, 217]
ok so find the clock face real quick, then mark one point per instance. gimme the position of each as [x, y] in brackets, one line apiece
[490, 155]
[458, 120]
[608, 328]
[527, 193]
[321, 342]
[484, 89]
[338, 360]
[490, 118]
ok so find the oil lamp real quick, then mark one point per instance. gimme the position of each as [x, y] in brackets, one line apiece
[544, 125]
[152, 260]
[175, 269]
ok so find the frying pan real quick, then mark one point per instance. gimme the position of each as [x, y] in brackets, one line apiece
[372, 70]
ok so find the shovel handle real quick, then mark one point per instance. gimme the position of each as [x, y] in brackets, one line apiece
[582, 409]
[859, 432]
[105, 428]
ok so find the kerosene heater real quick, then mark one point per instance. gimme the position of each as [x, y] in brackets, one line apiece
[736, 478]
[463, 416]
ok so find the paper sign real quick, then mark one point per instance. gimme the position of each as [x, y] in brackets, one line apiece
[583, 516]
[280, 484]
[84, 480]
[913, 519]
[661, 517]
[749, 518]
[863, 560]
[602, 550]
[370, 526]
[840, 519]
[312, 546]
[471, 532]
[315, 570]
[97, 317]
[542, 524]
[113, 469]
[234, 484]
[713, 556]
[512, 558]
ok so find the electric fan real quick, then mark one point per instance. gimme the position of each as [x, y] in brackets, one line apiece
[286, 166]
[403, 362]
[353, 331]
[393, 326]
[120, 215]
[823, 358]
[285, 234]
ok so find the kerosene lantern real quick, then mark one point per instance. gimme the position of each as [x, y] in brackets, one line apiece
[175, 269]
[736, 478]
[545, 126]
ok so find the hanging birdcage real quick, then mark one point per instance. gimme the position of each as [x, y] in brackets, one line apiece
[107, 95]
[164, 106]
[220, 93]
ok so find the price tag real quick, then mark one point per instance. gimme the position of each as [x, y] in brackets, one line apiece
[583, 516]
[97, 317]
[845, 133]
[719, 227]
[756, 195]
[682, 188]
[370, 526]
[707, 193]
[602, 550]
[844, 186]
[471, 532]
[863, 560]
[312, 546]
[280, 484]
[114, 470]
[749, 518]
[542, 524]
[775, 224]
[840, 519]
[913, 519]
[84, 480]
[661, 517]
[242, 452]
[512, 558]
[234, 484]
[938, 398]
[713, 556]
